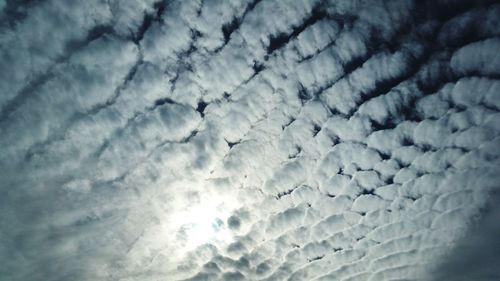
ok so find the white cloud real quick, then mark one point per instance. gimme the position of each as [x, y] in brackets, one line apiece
[247, 140]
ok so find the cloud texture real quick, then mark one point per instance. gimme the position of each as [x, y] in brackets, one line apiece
[248, 140]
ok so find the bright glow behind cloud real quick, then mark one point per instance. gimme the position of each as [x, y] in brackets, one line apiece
[149, 140]
[204, 222]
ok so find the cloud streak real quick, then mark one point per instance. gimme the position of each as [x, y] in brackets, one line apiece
[257, 140]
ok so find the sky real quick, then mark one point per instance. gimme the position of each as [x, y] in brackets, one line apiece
[155, 140]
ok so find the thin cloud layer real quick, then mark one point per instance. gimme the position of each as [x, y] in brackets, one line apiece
[249, 140]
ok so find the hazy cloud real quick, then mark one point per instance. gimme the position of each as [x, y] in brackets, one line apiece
[249, 140]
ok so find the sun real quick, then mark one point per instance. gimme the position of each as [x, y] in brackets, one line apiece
[204, 222]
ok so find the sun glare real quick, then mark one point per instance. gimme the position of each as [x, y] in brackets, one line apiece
[204, 223]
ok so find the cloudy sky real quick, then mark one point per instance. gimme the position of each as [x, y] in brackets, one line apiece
[152, 140]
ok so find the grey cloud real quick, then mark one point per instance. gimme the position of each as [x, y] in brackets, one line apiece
[249, 140]
[476, 254]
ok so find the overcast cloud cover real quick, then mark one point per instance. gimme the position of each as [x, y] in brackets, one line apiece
[249, 140]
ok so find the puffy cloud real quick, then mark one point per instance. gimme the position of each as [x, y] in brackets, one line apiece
[248, 140]
[477, 57]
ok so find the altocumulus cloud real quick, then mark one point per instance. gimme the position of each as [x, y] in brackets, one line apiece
[249, 140]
